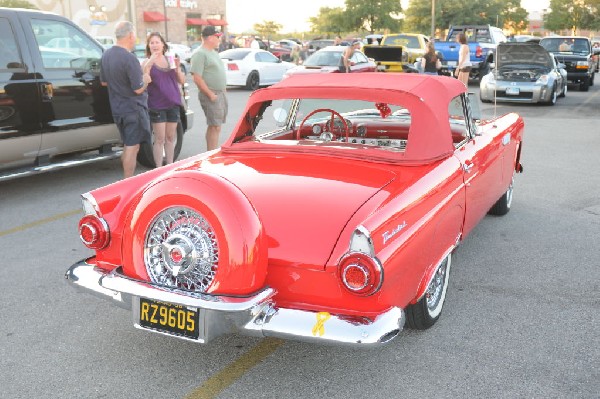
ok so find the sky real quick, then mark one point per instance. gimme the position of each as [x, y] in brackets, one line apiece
[294, 14]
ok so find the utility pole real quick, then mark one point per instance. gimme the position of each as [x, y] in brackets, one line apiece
[432, 19]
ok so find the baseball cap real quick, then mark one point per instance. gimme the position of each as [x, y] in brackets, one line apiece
[210, 31]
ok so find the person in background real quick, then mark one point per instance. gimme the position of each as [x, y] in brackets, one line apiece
[346, 55]
[208, 72]
[564, 46]
[254, 43]
[120, 71]
[295, 54]
[430, 63]
[464, 60]
[164, 97]
[337, 41]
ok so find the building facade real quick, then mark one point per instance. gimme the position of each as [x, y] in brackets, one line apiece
[179, 21]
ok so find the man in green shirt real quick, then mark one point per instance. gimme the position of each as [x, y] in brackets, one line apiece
[208, 72]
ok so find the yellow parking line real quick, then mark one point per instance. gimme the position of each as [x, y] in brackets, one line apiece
[216, 384]
[40, 222]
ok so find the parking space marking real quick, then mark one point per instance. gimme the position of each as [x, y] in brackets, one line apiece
[40, 222]
[217, 383]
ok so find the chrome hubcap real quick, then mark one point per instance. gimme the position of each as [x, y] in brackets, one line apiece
[181, 250]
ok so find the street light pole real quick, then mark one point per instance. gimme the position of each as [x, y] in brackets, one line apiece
[166, 30]
[432, 19]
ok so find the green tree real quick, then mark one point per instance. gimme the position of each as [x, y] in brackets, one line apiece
[267, 28]
[571, 14]
[373, 16]
[329, 20]
[504, 14]
[17, 4]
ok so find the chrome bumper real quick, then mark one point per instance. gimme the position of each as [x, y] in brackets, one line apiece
[255, 315]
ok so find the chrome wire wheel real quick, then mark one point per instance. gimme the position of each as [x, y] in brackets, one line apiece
[181, 250]
[436, 290]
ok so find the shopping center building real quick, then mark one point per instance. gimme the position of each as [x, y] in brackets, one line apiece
[180, 21]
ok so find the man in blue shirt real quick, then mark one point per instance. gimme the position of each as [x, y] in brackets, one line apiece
[122, 73]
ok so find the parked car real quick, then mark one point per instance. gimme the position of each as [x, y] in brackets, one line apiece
[54, 111]
[413, 44]
[482, 41]
[106, 41]
[330, 215]
[318, 44]
[327, 60]
[576, 53]
[283, 53]
[253, 68]
[524, 72]
[284, 43]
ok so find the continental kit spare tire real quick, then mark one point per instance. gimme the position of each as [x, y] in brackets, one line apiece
[197, 232]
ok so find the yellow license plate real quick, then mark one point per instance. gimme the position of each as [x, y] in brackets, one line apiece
[169, 318]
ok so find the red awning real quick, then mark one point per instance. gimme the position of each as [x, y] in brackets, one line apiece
[217, 22]
[154, 16]
[196, 21]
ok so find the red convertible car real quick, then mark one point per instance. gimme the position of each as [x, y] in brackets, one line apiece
[330, 215]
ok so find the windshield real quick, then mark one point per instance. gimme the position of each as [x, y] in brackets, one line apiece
[402, 40]
[324, 58]
[566, 45]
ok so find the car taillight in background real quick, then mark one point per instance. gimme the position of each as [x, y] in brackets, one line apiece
[232, 67]
[478, 51]
[361, 274]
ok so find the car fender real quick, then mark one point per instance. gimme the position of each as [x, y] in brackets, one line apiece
[242, 264]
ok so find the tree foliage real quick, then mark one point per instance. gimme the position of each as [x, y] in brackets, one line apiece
[501, 13]
[572, 15]
[17, 4]
[359, 15]
[373, 16]
[329, 20]
[267, 28]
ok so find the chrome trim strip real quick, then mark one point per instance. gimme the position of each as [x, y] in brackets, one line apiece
[33, 170]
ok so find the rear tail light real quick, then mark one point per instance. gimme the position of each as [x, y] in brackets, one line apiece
[478, 51]
[361, 274]
[233, 67]
[93, 232]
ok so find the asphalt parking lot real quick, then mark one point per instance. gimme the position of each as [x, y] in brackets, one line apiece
[521, 318]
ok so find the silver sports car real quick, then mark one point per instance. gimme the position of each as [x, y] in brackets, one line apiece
[524, 72]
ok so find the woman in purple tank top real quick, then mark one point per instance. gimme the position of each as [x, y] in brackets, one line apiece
[164, 97]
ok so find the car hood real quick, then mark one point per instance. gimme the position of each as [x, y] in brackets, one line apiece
[509, 54]
[303, 203]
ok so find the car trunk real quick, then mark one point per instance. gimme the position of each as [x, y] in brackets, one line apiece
[304, 204]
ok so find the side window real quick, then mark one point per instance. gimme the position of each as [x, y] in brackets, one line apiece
[266, 57]
[9, 51]
[460, 119]
[358, 58]
[63, 46]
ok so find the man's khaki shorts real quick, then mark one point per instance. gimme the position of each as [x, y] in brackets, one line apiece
[215, 112]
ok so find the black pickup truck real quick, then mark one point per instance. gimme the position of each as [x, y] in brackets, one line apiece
[53, 110]
[576, 53]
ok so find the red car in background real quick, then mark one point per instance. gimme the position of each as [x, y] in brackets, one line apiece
[327, 60]
[330, 215]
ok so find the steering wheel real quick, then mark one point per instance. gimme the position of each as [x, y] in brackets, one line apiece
[333, 115]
